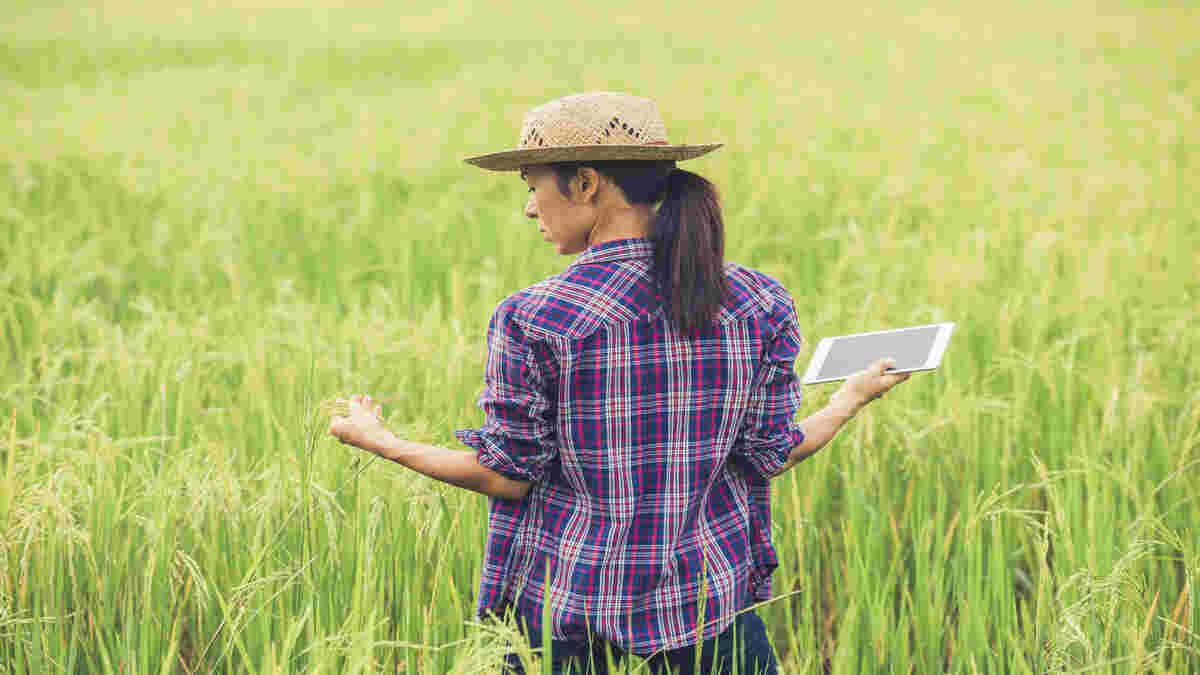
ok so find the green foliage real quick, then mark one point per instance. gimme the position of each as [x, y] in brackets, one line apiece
[212, 220]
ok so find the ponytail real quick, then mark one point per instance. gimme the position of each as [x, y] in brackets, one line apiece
[689, 235]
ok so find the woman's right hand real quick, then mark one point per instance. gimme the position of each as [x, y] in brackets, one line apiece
[867, 385]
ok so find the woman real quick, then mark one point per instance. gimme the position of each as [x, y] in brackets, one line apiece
[636, 407]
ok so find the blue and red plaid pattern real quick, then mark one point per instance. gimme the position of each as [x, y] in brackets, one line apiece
[649, 454]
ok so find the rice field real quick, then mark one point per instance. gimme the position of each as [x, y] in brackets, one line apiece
[213, 220]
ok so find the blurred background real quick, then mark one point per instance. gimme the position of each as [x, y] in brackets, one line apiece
[213, 217]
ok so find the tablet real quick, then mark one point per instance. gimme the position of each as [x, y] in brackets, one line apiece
[914, 348]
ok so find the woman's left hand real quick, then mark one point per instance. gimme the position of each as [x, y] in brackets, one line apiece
[362, 426]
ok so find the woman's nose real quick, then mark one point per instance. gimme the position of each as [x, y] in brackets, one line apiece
[530, 208]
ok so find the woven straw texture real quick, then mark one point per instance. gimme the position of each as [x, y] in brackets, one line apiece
[595, 125]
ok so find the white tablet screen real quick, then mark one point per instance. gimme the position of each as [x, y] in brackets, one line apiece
[910, 348]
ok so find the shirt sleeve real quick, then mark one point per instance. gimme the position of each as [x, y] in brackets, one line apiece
[518, 437]
[769, 431]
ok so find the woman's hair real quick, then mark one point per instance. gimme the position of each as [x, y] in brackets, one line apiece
[689, 235]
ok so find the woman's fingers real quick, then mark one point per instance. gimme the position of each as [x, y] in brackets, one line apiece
[335, 427]
[363, 400]
[873, 381]
[884, 380]
[890, 381]
[357, 401]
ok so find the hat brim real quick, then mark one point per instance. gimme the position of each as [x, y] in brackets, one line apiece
[511, 160]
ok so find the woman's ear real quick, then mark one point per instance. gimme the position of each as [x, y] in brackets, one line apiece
[589, 183]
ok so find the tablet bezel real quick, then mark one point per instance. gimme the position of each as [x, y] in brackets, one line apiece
[932, 361]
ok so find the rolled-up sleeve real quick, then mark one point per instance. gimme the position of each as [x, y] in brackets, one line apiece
[769, 431]
[517, 438]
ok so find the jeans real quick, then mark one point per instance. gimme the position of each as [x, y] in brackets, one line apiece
[751, 651]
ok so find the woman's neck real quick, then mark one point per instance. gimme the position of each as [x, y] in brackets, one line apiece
[623, 223]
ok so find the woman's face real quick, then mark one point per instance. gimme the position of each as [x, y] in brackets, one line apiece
[564, 221]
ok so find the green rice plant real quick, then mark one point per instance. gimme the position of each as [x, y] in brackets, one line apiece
[212, 220]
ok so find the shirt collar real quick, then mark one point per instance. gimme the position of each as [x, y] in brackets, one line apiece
[616, 249]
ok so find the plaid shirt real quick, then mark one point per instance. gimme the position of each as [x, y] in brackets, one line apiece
[649, 454]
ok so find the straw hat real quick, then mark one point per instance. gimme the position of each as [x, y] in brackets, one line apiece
[596, 125]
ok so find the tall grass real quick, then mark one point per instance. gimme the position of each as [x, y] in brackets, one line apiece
[211, 220]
